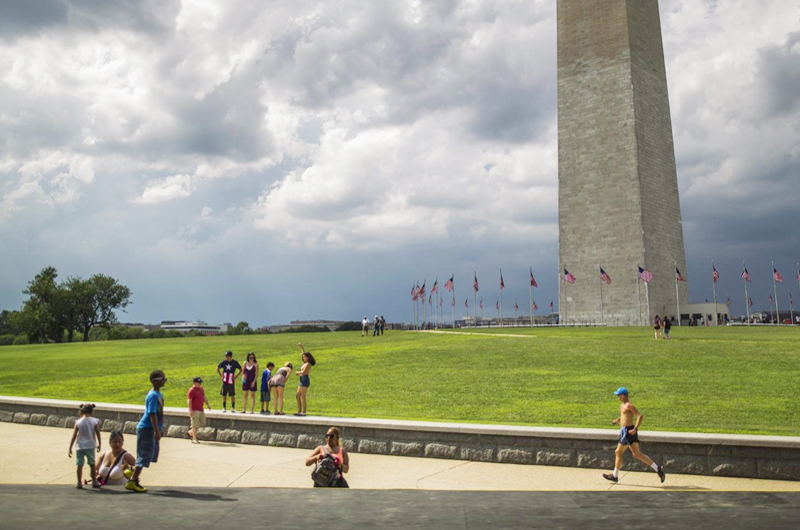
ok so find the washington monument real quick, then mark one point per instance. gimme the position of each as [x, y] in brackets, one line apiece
[618, 204]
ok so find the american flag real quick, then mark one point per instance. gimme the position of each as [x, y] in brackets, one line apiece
[466, 303]
[714, 274]
[777, 275]
[449, 283]
[750, 302]
[435, 288]
[497, 305]
[791, 302]
[534, 284]
[728, 303]
[645, 275]
[568, 277]
[413, 293]
[502, 283]
[678, 276]
[604, 276]
[535, 307]
[516, 307]
[475, 283]
[422, 289]
[746, 275]
[551, 305]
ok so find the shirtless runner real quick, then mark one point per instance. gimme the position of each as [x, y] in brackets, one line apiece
[629, 437]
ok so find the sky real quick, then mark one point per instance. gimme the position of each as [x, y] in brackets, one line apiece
[283, 160]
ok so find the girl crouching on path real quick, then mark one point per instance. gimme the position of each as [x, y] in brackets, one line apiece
[305, 380]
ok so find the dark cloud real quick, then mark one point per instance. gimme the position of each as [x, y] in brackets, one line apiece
[23, 17]
[779, 76]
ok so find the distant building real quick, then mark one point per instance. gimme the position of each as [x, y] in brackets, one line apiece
[702, 314]
[185, 326]
[330, 324]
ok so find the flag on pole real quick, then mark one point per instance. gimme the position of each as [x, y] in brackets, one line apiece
[413, 293]
[435, 288]
[535, 307]
[466, 303]
[502, 283]
[568, 277]
[534, 284]
[645, 275]
[516, 307]
[604, 276]
[475, 283]
[551, 305]
[750, 302]
[777, 275]
[714, 274]
[497, 305]
[422, 289]
[746, 275]
[678, 276]
[728, 303]
[449, 283]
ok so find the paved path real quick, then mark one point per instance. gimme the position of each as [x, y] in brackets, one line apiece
[38, 456]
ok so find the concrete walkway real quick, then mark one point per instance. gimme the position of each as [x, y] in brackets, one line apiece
[38, 455]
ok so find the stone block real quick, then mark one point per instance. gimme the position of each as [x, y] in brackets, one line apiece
[207, 434]
[55, 421]
[7, 416]
[596, 459]
[231, 436]
[477, 454]
[112, 425]
[255, 437]
[130, 427]
[373, 447]
[555, 458]
[515, 456]
[22, 417]
[441, 451]
[766, 453]
[177, 431]
[306, 441]
[557, 443]
[733, 467]
[406, 449]
[779, 469]
[38, 419]
[350, 445]
[282, 440]
[685, 464]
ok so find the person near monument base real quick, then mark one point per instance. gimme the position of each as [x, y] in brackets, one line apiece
[629, 437]
[228, 370]
[86, 432]
[332, 449]
[196, 398]
[657, 325]
[667, 327]
[149, 430]
[250, 382]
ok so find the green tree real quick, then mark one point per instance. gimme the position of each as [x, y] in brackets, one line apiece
[94, 302]
[41, 316]
[242, 328]
[8, 325]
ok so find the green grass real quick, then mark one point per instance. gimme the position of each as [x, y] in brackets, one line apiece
[734, 380]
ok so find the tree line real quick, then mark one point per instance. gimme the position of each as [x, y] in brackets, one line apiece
[57, 311]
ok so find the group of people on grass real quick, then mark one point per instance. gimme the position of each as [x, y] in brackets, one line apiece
[118, 467]
[662, 326]
[378, 325]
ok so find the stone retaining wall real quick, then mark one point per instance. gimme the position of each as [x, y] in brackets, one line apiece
[767, 457]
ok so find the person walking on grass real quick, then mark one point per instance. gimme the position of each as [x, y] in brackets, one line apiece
[86, 431]
[278, 383]
[265, 388]
[667, 327]
[228, 371]
[629, 437]
[195, 399]
[657, 325]
[376, 327]
[249, 382]
[149, 430]
[305, 380]
[364, 326]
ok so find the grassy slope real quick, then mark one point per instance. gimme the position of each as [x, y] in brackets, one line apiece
[713, 380]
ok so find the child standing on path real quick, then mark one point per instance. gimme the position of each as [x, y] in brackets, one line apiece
[265, 388]
[148, 432]
[87, 429]
[227, 371]
[305, 380]
[196, 398]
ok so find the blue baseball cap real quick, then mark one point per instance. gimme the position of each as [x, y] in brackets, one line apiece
[621, 391]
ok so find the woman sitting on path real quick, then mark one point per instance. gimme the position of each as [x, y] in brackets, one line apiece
[333, 447]
[305, 381]
[278, 383]
[113, 464]
[249, 384]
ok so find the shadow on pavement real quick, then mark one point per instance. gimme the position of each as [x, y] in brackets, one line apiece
[178, 494]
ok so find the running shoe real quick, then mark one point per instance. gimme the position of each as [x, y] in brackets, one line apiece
[133, 485]
[661, 474]
[609, 476]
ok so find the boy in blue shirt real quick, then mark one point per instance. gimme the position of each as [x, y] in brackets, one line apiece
[148, 432]
[265, 388]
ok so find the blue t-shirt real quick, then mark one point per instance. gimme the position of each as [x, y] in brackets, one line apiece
[265, 378]
[153, 404]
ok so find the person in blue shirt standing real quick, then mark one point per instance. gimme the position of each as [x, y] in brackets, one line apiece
[265, 377]
[149, 430]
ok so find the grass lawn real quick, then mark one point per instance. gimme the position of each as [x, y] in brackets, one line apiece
[733, 380]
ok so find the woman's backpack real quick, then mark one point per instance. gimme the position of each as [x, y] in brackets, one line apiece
[325, 473]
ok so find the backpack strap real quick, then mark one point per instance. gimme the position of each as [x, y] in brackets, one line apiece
[115, 464]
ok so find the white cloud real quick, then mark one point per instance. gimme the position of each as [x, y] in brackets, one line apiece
[173, 187]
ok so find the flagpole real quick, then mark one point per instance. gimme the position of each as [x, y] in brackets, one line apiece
[564, 281]
[647, 298]
[714, 285]
[746, 296]
[453, 306]
[639, 292]
[775, 288]
[677, 293]
[481, 309]
[530, 301]
[602, 309]
[501, 300]
[474, 301]
[791, 309]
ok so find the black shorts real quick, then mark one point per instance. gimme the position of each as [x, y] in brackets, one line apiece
[228, 389]
[625, 438]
